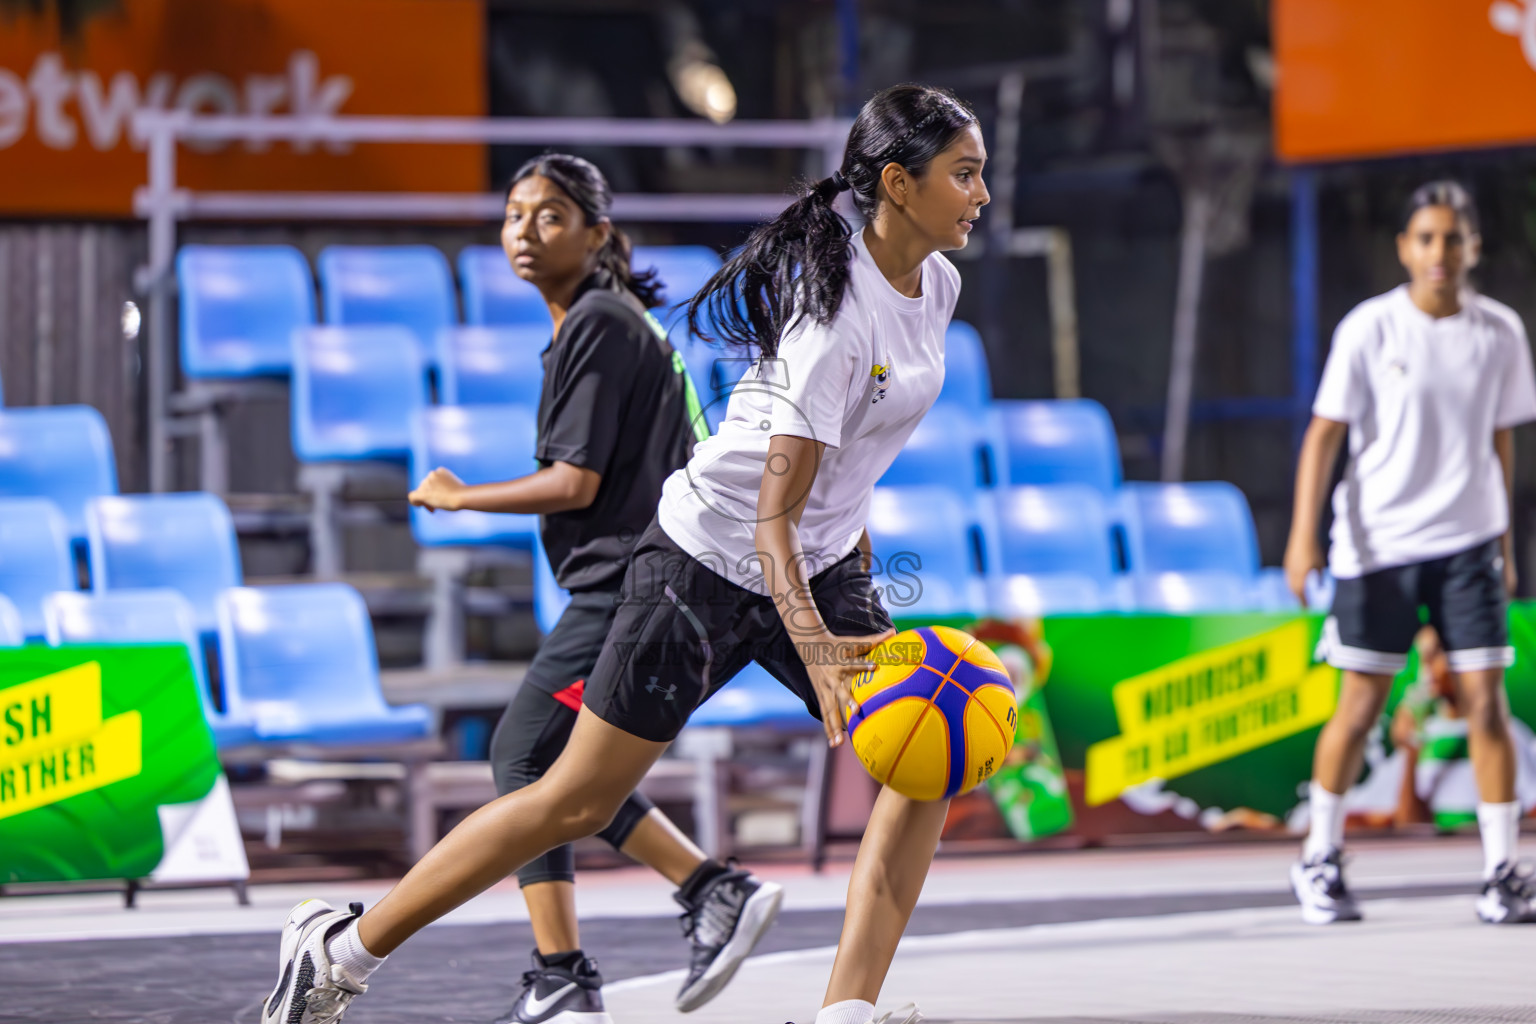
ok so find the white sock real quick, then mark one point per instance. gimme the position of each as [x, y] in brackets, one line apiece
[849, 1011]
[347, 949]
[1327, 833]
[1500, 826]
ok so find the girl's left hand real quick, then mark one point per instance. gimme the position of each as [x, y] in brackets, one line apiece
[440, 489]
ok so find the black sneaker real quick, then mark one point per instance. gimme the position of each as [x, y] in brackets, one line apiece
[559, 995]
[1508, 896]
[1319, 887]
[723, 924]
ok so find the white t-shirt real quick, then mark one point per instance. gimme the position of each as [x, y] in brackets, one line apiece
[1422, 398]
[859, 385]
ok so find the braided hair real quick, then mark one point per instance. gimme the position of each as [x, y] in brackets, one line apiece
[797, 265]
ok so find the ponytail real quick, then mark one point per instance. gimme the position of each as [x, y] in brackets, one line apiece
[588, 189]
[797, 265]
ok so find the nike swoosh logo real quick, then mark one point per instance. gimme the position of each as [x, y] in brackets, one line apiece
[538, 1007]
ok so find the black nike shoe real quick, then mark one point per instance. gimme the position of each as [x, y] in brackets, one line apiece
[723, 924]
[559, 995]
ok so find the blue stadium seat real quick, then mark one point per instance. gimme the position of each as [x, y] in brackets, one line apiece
[240, 304]
[302, 659]
[1069, 441]
[1193, 593]
[753, 699]
[1189, 528]
[406, 285]
[151, 616]
[1059, 593]
[354, 390]
[185, 542]
[1271, 593]
[491, 365]
[549, 598]
[481, 444]
[951, 447]
[12, 632]
[925, 550]
[495, 296]
[60, 452]
[682, 271]
[35, 557]
[1064, 528]
[967, 377]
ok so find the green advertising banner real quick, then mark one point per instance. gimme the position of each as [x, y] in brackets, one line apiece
[108, 770]
[1212, 719]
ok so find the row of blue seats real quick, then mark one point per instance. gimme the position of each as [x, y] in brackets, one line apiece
[297, 663]
[241, 304]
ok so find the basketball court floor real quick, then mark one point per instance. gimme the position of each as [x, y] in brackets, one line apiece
[1177, 935]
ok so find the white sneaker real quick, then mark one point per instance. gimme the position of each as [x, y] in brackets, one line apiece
[902, 1015]
[1319, 886]
[1508, 896]
[310, 989]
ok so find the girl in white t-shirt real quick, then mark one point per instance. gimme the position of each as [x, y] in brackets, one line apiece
[758, 552]
[1427, 381]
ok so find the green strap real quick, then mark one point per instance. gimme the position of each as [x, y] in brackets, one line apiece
[691, 395]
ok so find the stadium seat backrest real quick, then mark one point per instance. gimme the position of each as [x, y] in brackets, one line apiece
[12, 632]
[185, 542]
[495, 296]
[1189, 528]
[681, 270]
[1062, 528]
[1032, 596]
[967, 376]
[491, 365]
[308, 644]
[354, 391]
[145, 616]
[1066, 441]
[949, 448]
[35, 557]
[480, 444]
[1193, 593]
[60, 452]
[923, 544]
[406, 285]
[549, 598]
[239, 306]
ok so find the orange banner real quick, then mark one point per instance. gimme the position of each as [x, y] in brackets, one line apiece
[66, 104]
[1373, 77]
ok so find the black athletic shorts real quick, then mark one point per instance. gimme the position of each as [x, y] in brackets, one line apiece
[567, 654]
[683, 631]
[1374, 617]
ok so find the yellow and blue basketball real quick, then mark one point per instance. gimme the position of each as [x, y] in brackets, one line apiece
[937, 714]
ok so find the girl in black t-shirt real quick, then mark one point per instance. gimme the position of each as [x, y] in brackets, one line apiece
[617, 415]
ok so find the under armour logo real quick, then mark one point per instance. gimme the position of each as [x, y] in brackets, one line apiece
[655, 687]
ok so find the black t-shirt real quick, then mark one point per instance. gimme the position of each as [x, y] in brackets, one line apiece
[615, 401]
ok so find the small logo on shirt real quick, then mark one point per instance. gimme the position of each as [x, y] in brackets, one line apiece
[880, 382]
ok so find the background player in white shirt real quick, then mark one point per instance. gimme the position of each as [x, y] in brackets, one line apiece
[1427, 381]
[759, 554]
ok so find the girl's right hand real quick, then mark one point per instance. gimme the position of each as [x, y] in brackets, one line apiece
[439, 489]
[833, 667]
[1303, 557]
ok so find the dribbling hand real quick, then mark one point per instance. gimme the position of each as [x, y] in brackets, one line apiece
[832, 673]
[439, 489]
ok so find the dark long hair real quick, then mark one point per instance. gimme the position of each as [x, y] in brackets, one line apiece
[797, 264]
[588, 189]
[1443, 193]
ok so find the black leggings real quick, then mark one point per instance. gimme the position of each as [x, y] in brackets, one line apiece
[533, 730]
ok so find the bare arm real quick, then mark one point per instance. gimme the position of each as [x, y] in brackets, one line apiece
[831, 661]
[1504, 445]
[1304, 551]
[558, 487]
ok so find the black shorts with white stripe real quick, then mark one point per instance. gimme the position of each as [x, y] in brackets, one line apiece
[1375, 617]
